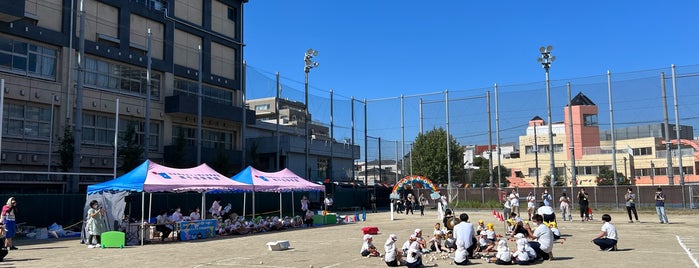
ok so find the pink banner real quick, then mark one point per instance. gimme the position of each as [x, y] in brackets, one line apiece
[202, 178]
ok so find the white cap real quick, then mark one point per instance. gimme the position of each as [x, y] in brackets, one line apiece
[367, 237]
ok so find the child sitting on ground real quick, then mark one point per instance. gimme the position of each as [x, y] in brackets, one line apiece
[481, 227]
[556, 232]
[436, 242]
[520, 256]
[368, 248]
[504, 256]
[486, 241]
[450, 242]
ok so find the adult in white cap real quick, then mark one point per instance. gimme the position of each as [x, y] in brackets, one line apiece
[392, 257]
[368, 248]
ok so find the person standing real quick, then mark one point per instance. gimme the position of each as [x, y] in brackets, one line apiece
[507, 207]
[304, 204]
[607, 238]
[7, 218]
[328, 202]
[583, 203]
[215, 209]
[565, 207]
[463, 233]
[95, 224]
[660, 205]
[372, 200]
[531, 204]
[443, 200]
[514, 200]
[423, 202]
[630, 198]
[546, 197]
[409, 203]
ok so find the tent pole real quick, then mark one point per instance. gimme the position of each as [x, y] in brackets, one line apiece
[245, 199]
[293, 210]
[143, 213]
[203, 204]
[280, 205]
[253, 202]
[150, 205]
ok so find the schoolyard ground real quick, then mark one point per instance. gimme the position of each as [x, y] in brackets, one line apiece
[644, 244]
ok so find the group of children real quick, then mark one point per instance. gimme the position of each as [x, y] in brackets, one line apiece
[236, 225]
[443, 242]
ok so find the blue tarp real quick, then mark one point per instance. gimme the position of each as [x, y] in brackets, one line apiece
[132, 181]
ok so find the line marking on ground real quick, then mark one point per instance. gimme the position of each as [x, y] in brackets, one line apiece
[689, 253]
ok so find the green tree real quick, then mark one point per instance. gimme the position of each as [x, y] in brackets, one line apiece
[559, 181]
[606, 177]
[66, 149]
[430, 156]
[130, 150]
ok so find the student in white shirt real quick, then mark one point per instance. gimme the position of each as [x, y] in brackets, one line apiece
[607, 238]
[368, 248]
[504, 256]
[177, 215]
[414, 254]
[393, 255]
[195, 215]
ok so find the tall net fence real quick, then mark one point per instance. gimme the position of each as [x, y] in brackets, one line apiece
[636, 99]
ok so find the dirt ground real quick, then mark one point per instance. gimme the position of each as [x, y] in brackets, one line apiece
[644, 244]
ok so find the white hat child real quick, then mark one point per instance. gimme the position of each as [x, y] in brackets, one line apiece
[367, 237]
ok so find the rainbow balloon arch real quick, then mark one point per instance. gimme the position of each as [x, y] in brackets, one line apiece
[414, 180]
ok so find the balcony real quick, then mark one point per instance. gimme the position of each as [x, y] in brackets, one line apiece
[11, 10]
[188, 105]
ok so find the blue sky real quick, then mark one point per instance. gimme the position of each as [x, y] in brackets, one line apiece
[382, 49]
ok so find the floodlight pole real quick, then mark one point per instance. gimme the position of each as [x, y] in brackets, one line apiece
[546, 60]
[309, 64]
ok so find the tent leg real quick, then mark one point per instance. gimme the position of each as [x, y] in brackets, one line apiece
[203, 205]
[143, 213]
[253, 204]
[293, 209]
[280, 205]
[245, 199]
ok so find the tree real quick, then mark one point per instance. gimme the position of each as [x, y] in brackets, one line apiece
[130, 150]
[559, 181]
[481, 176]
[66, 150]
[430, 155]
[606, 177]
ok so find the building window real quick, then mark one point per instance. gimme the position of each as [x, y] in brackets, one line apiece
[533, 172]
[121, 78]
[590, 120]
[99, 130]
[643, 151]
[27, 59]
[262, 107]
[209, 138]
[232, 14]
[27, 121]
[212, 94]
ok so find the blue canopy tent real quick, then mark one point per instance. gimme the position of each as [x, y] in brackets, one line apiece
[281, 181]
[151, 177]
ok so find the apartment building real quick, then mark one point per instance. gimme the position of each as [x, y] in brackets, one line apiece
[40, 64]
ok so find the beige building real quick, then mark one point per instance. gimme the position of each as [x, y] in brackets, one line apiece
[641, 153]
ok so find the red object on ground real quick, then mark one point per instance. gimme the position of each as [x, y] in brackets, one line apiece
[370, 230]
